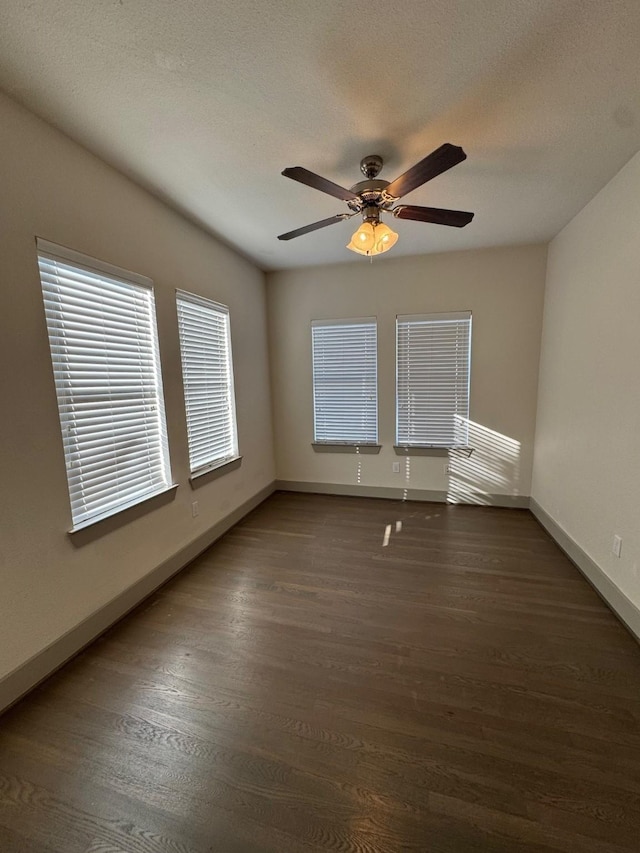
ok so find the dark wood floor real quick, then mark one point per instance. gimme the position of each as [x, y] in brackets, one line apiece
[303, 687]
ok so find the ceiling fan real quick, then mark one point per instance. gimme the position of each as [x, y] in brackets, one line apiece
[373, 196]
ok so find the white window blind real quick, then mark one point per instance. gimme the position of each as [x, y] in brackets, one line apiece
[345, 382]
[432, 383]
[104, 349]
[207, 372]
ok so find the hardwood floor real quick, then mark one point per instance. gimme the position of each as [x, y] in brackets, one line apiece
[303, 687]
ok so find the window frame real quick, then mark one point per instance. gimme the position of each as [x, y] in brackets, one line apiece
[345, 445]
[402, 447]
[47, 252]
[215, 466]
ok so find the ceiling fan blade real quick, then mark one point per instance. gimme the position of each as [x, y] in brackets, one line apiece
[437, 215]
[314, 226]
[304, 176]
[434, 164]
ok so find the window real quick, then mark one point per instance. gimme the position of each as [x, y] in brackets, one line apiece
[104, 349]
[345, 399]
[432, 383]
[207, 373]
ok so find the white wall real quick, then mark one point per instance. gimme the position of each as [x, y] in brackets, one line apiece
[587, 450]
[504, 290]
[52, 188]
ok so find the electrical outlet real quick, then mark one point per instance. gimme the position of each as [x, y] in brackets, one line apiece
[395, 467]
[447, 468]
[617, 545]
[195, 509]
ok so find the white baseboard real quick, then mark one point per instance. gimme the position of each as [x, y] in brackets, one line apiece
[27, 676]
[394, 493]
[612, 595]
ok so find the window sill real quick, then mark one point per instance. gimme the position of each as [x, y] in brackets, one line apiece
[344, 447]
[431, 450]
[214, 471]
[95, 527]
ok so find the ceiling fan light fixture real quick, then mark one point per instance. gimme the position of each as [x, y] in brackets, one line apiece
[372, 238]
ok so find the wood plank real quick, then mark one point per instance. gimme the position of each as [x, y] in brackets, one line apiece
[301, 687]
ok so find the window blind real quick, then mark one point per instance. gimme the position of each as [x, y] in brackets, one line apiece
[432, 383]
[207, 372]
[104, 350]
[345, 381]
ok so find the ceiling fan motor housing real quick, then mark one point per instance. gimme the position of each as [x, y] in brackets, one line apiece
[370, 192]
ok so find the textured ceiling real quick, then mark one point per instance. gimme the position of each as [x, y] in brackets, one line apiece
[205, 103]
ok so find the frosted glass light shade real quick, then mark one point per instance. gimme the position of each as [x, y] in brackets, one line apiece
[385, 238]
[363, 240]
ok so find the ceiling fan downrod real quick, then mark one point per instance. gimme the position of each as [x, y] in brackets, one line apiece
[371, 165]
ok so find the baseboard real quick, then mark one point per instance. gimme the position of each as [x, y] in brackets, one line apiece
[394, 493]
[27, 676]
[612, 595]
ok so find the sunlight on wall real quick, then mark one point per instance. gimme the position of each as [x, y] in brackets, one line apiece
[492, 468]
